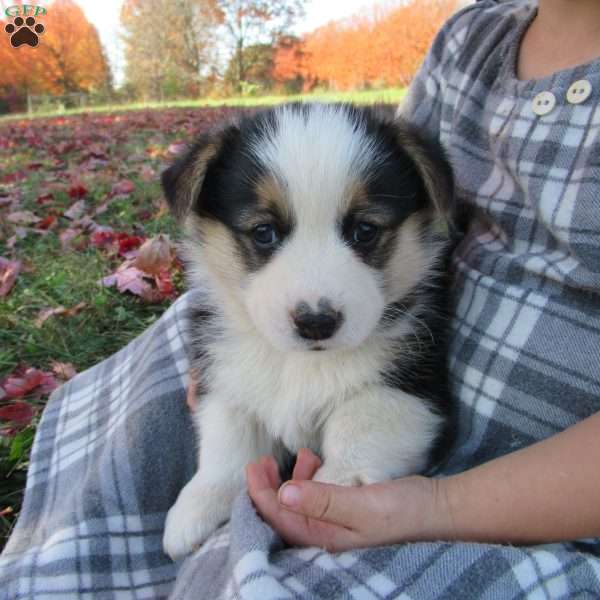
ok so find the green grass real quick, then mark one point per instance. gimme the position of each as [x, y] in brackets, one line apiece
[54, 276]
[388, 96]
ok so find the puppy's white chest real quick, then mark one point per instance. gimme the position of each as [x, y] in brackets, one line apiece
[290, 396]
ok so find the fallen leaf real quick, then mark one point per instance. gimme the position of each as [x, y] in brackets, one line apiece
[103, 239]
[130, 280]
[77, 191]
[164, 284]
[155, 255]
[76, 210]
[9, 271]
[47, 222]
[46, 313]
[20, 234]
[19, 413]
[64, 371]
[45, 198]
[17, 386]
[67, 236]
[129, 244]
[147, 173]
[123, 188]
[23, 217]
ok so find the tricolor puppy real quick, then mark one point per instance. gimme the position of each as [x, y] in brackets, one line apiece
[312, 232]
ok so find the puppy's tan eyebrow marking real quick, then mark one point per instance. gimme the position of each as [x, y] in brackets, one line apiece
[361, 206]
[357, 196]
[272, 198]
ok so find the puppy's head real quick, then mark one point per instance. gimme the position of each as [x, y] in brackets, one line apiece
[311, 219]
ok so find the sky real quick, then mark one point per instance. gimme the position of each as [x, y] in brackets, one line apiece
[104, 15]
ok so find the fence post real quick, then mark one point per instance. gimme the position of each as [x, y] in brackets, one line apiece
[29, 104]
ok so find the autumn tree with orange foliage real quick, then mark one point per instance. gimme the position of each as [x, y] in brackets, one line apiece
[289, 68]
[69, 57]
[380, 48]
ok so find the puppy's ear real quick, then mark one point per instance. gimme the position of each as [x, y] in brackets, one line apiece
[432, 165]
[184, 180]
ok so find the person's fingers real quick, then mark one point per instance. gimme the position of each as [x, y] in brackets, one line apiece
[341, 505]
[260, 485]
[272, 469]
[295, 529]
[307, 464]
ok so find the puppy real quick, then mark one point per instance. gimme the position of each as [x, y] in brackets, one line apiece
[312, 232]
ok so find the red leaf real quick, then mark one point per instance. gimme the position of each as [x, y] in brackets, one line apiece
[45, 198]
[164, 284]
[77, 191]
[19, 413]
[47, 222]
[127, 244]
[123, 188]
[102, 239]
[15, 387]
[12, 177]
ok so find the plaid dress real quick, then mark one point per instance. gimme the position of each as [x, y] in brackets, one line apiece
[115, 444]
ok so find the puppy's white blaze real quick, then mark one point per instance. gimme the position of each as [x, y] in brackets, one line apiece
[318, 156]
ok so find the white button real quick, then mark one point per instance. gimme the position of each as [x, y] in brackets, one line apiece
[543, 103]
[579, 92]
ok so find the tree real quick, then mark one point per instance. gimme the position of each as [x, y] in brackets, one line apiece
[69, 57]
[168, 44]
[252, 22]
[259, 70]
[289, 65]
[380, 48]
[72, 55]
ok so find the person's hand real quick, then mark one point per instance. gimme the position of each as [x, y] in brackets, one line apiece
[308, 513]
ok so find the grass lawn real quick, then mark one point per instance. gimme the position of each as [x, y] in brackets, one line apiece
[47, 166]
[388, 96]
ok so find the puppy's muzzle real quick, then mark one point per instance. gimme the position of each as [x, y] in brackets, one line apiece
[316, 325]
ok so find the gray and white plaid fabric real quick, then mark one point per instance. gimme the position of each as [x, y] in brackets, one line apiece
[116, 444]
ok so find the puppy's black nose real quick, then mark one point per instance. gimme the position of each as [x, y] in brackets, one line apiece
[319, 325]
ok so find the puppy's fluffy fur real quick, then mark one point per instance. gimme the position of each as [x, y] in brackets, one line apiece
[311, 231]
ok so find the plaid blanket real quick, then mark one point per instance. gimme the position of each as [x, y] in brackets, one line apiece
[116, 444]
[114, 449]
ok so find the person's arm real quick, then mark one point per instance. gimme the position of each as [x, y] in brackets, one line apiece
[549, 491]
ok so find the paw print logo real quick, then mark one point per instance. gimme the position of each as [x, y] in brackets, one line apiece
[24, 31]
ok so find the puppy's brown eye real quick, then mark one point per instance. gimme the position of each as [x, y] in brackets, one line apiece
[265, 236]
[365, 233]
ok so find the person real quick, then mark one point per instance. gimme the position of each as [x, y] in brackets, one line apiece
[511, 90]
[546, 491]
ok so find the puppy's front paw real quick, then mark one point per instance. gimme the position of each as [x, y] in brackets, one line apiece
[340, 475]
[195, 515]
